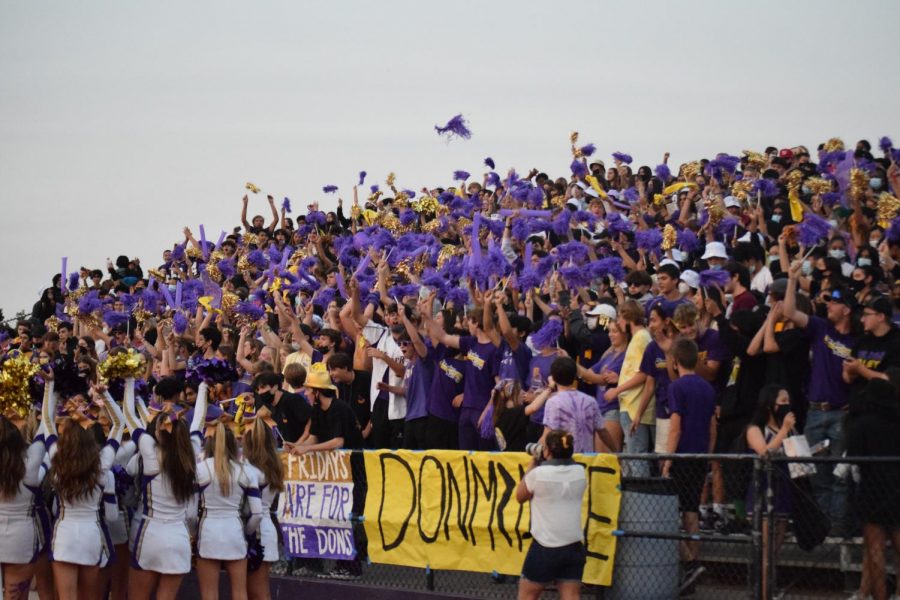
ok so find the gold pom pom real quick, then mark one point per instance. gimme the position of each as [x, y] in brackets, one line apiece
[859, 183]
[756, 160]
[741, 189]
[716, 213]
[391, 177]
[794, 180]
[123, 365]
[659, 199]
[888, 208]
[834, 145]
[426, 204]
[691, 170]
[817, 185]
[15, 376]
[252, 188]
[669, 237]
[194, 252]
[573, 137]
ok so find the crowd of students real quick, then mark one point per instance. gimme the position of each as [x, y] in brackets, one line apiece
[647, 310]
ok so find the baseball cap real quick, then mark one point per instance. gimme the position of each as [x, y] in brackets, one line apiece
[603, 310]
[714, 250]
[732, 202]
[786, 153]
[881, 304]
[842, 296]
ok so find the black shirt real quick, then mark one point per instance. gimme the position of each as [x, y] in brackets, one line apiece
[356, 395]
[337, 421]
[513, 424]
[291, 415]
[876, 353]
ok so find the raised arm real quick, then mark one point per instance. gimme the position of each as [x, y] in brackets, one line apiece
[244, 213]
[135, 424]
[48, 413]
[274, 224]
[115, 415]
[505, 326]
[790, 298]
[487, 322]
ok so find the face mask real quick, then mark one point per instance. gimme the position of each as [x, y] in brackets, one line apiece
[806, 268]
[752, 269]
[776, 218]
[875, 183]
[781, 411]
[836, 253]
[874, 242]
[684, 288]
[805, 189]
[591, 322]
[822, 311]
[172, 288]
[833, 223]
[265, 399]
[772, 258]
[817, 275]
[83, 372]
[295, 346]
[715, 267]
[857, 284]
[864, 262]
[634, 296]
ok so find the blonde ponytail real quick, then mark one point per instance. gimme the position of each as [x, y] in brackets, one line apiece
[222, 460]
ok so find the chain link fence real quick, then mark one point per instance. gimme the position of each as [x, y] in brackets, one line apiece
[707, 526]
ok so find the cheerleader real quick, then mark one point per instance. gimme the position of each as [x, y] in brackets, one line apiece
[161, 548]
[78, 471]
[21, 536]
[260, 453]
[224, 485]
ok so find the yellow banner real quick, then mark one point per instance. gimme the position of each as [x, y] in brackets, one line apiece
[455, 510]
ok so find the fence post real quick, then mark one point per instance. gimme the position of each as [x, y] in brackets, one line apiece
[757, 562]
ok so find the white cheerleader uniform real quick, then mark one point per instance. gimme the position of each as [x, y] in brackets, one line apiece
[79, 536]
[160, 542]
[21, 527]
[268, 533]
[221, 532]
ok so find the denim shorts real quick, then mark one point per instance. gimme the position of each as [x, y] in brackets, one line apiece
[546, 565]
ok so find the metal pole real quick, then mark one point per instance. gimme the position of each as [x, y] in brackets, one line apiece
[429, 579]
[756, 533]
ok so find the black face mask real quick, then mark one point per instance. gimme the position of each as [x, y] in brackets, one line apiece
[817, 275]
[84, 373]
[822, 310]
[265, 399]
[634, 296]
[857, 284]
[781, 411]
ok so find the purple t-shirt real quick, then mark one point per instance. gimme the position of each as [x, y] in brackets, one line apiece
[654, 365]
[513, 364]
[446, 382]
[694, 400]
[479, 373]
[417, 390]
[711, 348]
[577, 413]
[610, 361]
[538, 375]
[829, 350]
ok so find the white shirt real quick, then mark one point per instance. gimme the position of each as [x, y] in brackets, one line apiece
[556, 506]
[761, 281]
[380, 337]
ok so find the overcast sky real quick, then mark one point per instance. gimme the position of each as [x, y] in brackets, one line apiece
[122, 122]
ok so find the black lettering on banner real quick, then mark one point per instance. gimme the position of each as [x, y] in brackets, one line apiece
[490, 493]
[504, 500]
[428, 539]
[461, 511]
[591, 515]
[412, 507]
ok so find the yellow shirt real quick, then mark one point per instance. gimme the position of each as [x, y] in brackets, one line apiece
[630, 400]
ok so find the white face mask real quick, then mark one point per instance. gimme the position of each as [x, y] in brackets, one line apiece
[684, 288]
[836, 253]
[591, 322]
[874, 242]
[864, 262]
[776, 218]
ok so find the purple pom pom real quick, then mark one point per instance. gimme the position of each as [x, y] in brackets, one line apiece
[622, 157]
[73, 282]
[258, 260]
[579, 169]
[831, 198]
[460, 175]
[615, 224]
[89, 303]
[115, 318]
[528, 279]
[178, 253]
[714, 277]
[727, 226]
[536, 196]
[179, 323]
[812, 230]
[893, 232]
[362, 177]
[687, 241]
[765, 187]
[251, 310]
[548, 335]
[560, 224]
[886, 144]
[286, 205]
[493, 180]
[575, 276]
[588, 150]
[574, 251]
[408, 217]
[662, 171]
[489, 163]
[373, 188]
[630, 195]
[648, 239]
[226, 268]
[409, 194]
[446, 197]
[455, 127]
[330, 189]
[459, 297]
[606, 267]
[316, 217]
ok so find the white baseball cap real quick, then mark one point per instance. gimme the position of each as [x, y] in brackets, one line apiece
[603, 310]
[692, 278]
[732, 202]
